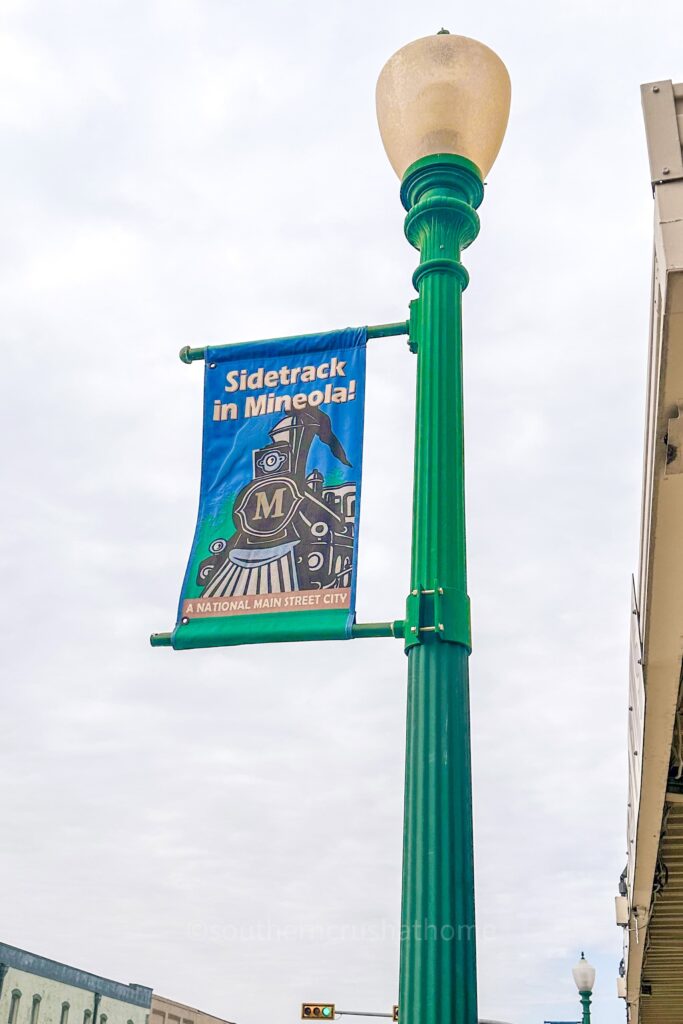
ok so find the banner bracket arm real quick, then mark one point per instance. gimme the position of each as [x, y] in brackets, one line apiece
[361, 630]
[160, 639]
[192, 355]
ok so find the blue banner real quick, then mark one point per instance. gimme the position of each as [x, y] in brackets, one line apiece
[275, 549]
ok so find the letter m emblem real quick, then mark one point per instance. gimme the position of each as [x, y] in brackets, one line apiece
[266, 506]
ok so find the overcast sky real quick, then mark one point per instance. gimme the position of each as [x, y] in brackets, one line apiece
[225, 826]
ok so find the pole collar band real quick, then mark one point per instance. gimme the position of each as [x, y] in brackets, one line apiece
[444, 266]
[437, 613]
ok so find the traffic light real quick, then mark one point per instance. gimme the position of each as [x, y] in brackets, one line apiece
[317, 1011]
[394, 1015]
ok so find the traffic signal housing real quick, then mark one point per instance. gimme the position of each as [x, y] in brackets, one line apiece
[317, 1011]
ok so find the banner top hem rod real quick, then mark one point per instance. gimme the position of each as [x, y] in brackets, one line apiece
[192, 355]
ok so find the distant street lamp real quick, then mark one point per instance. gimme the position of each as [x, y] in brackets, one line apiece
[584, 976]
[442, 106]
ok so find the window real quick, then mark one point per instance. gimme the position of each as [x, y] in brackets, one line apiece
[14, 1006]
[86, 1016]
[65, 1014]
[35, 1009]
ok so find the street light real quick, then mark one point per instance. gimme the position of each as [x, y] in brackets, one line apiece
[442, 107]
[584, 976]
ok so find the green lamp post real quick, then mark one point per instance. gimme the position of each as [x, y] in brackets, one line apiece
[584, 978]
[442, 107]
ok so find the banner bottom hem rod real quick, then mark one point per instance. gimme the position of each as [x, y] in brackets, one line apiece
[359, 631]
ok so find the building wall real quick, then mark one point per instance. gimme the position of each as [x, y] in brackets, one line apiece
[35, 990]
[654, 933]
[40, 991]
[167, 1011]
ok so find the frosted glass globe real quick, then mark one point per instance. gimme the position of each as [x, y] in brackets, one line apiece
[443, 94]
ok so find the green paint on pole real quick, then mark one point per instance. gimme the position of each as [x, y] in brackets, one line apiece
[438, 953]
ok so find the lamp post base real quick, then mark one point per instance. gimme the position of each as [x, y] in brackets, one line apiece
[438, 951]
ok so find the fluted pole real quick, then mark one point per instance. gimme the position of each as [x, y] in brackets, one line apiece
[438, 949]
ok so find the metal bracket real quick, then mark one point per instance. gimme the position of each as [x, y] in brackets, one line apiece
[439, 612]
[412, 325]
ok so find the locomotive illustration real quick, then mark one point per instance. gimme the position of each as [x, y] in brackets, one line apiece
[292, 531]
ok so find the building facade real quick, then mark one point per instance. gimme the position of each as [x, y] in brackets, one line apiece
[35, 990]
[650, 904]
[166, 1011]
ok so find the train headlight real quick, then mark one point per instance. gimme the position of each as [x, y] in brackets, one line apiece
[271, 462]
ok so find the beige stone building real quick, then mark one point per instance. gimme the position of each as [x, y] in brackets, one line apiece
[166, 1011]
